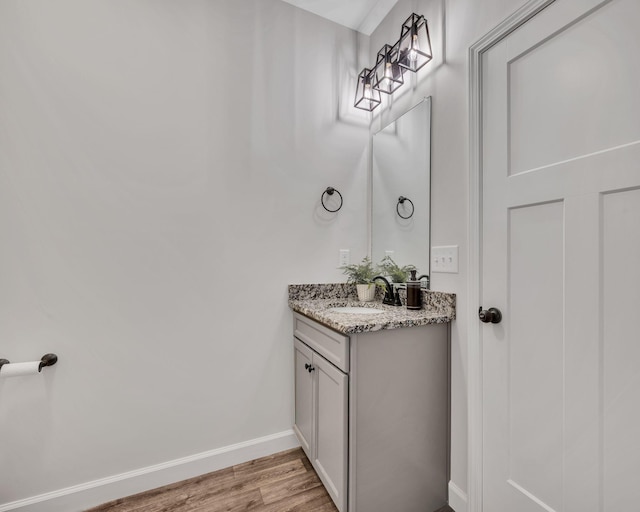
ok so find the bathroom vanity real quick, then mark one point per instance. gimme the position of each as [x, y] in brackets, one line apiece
[372, 398]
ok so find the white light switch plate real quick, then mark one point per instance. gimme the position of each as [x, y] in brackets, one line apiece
[444, 259]
[345, 258]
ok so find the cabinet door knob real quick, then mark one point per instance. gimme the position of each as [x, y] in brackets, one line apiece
[307, 366]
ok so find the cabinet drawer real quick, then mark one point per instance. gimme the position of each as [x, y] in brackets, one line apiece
[334, 347]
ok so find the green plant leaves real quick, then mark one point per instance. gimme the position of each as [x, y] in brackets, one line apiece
[364, 272]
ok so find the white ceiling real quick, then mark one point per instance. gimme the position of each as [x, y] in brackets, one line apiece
[361, 15]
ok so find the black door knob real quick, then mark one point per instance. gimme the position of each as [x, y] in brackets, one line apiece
[491, 315]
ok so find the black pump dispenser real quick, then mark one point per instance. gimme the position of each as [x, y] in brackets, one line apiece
[414, 292]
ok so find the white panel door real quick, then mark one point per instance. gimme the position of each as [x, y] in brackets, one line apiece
[561, 260]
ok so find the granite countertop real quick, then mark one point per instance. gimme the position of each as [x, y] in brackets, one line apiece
[314, 301]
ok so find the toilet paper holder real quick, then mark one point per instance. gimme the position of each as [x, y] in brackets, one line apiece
[45, 360]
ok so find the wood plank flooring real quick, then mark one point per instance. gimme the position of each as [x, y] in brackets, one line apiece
[283, 482]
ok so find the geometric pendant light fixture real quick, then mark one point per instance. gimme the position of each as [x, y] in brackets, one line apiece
[387, 73]
[367, 98]
[415, 44]
[410, 53]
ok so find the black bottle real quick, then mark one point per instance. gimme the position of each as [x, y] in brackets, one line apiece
[414, 292]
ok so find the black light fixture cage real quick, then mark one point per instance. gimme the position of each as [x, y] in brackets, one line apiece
[387, 73]
[414, 44]
[367, 98]
[411, 52]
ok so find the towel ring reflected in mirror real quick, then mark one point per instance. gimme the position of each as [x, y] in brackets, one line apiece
[329, 191]
[401, 201]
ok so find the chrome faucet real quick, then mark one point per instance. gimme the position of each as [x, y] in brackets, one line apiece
[388, 291]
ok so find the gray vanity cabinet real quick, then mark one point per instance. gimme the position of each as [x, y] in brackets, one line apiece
[371, 413]
[321, 419]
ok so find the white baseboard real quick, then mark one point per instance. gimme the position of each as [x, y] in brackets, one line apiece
[89, 494]
[457, 498]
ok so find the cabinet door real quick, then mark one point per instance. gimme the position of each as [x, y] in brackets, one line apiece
[303, 426]
[331, 449]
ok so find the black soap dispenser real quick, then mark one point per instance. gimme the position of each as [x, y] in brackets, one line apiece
[414, 292]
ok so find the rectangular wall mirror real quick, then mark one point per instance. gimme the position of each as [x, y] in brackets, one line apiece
[401, 181]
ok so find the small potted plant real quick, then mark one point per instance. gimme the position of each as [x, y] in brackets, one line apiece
[362, 274]
[397, 274]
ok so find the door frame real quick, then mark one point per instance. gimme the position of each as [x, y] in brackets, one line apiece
[474, 349]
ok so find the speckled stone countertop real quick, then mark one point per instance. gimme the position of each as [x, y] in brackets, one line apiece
[314, 301]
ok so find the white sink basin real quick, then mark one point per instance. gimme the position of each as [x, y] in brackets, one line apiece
[356, 310]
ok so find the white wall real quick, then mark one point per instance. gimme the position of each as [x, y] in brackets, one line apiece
[161, 166]
[465, 21]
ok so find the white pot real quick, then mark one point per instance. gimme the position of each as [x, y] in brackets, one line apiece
[366, 292]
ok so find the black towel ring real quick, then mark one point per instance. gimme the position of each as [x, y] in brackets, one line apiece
[401, 200]
[330, 191]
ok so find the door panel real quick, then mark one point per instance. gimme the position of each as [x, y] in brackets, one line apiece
[548, 81]
[561, 259]
[304, 397]
[621, 348]
[332, 429]
[535, 283]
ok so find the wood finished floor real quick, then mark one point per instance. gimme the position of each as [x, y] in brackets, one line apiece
[283, 482]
